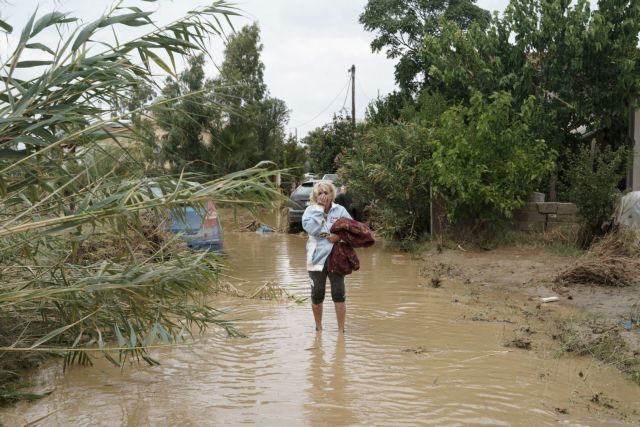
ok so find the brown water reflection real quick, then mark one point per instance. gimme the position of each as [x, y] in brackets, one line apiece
[408, 358]
[327, 385]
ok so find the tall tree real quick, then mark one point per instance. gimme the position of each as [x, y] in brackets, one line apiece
[292, 156]
[401, 26]
[253, 125]
[186, 117]
[326, 144]
[385, 110]
[581, 65]
[242, 71]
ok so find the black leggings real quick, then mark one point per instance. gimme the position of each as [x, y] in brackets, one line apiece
[319, 282]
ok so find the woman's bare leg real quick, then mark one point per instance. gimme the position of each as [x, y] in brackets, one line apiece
[341, 312]
[317, 315]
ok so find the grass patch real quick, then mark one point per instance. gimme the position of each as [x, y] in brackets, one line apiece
[592, 336]
[563, 240]
[564, 249]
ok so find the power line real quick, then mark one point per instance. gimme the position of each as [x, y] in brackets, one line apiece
[346, 94]
[366, 95]
[342, 109]
[324, 109]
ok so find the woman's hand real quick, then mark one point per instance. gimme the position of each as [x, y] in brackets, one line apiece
[324, 199]
[333, 238]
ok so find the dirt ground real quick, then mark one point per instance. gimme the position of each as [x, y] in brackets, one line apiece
[497, 279]
[506, 286]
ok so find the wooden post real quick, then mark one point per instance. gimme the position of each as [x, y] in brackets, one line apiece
[353, 95]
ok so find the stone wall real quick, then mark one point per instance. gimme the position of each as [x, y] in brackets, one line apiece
[543, 216]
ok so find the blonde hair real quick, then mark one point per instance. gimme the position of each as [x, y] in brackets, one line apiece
[322, 185]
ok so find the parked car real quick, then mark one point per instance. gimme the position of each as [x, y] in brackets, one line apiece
[298, 203]
[330, 177]
[309, 175]
[199, 226]
[300, 200]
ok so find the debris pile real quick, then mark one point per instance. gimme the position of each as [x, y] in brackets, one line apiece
[614, 260]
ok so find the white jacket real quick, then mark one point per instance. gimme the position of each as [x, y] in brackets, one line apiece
[314, 222]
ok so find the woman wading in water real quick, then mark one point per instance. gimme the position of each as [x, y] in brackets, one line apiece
[317, 220]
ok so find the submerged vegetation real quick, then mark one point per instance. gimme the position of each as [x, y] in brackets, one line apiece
[84, 264]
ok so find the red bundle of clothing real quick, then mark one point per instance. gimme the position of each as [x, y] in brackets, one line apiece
[353, 234]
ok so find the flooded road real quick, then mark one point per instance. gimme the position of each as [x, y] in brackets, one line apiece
[408, 358]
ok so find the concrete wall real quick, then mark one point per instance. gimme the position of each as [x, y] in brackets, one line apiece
[543, 216]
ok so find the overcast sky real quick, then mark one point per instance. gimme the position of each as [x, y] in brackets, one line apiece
[308, 47]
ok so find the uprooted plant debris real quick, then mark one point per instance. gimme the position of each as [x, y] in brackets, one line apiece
[521, 339]
[269, 290]
[608, 271]
[147, 238]
[417, 350]
[437, 271]
[13, 365]
[519, 342]
[257, 226]
[614, 260]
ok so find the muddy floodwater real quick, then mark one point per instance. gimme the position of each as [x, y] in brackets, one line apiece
[409, 357]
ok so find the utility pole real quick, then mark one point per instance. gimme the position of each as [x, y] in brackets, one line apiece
[353, 95]
[633, 177]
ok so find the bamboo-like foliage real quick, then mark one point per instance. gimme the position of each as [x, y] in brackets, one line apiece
[85, 264]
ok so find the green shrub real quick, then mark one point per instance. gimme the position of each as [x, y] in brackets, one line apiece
[590, 181]
[486, 158]
[390, 168]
